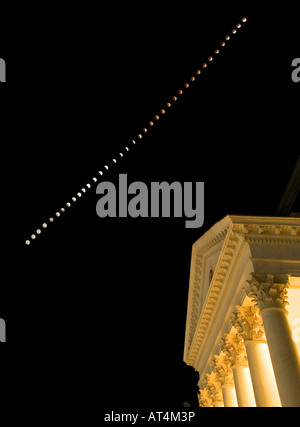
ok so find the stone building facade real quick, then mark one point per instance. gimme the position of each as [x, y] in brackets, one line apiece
[243, 315]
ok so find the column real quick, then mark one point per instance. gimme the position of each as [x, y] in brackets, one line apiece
[235, 349]
[243, 386]
[214, 385]
[249, 323]
[269, 291]
[223, 367]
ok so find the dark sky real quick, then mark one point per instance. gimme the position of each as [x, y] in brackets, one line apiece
[96, 307]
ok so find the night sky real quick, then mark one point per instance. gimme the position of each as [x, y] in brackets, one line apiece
[95, 308]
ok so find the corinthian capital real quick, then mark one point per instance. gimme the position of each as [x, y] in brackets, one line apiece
[235, 349]
[223, 367]
[269, 290]
[214, 385]
[204, 398]
[249, 323]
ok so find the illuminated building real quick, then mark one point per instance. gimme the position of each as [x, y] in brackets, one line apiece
[243, 317]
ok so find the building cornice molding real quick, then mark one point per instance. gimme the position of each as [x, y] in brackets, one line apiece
[208, 242]
[229, 249]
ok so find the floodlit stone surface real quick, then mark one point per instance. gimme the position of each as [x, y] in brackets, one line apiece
[243, 315]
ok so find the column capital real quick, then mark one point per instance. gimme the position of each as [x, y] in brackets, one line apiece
[204, 398]
[249, 323]
[223, 367]
[235, 349]
[214, 385]
[269, 291]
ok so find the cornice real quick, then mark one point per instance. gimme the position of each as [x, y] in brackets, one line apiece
[229, 249]
[201, 247]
